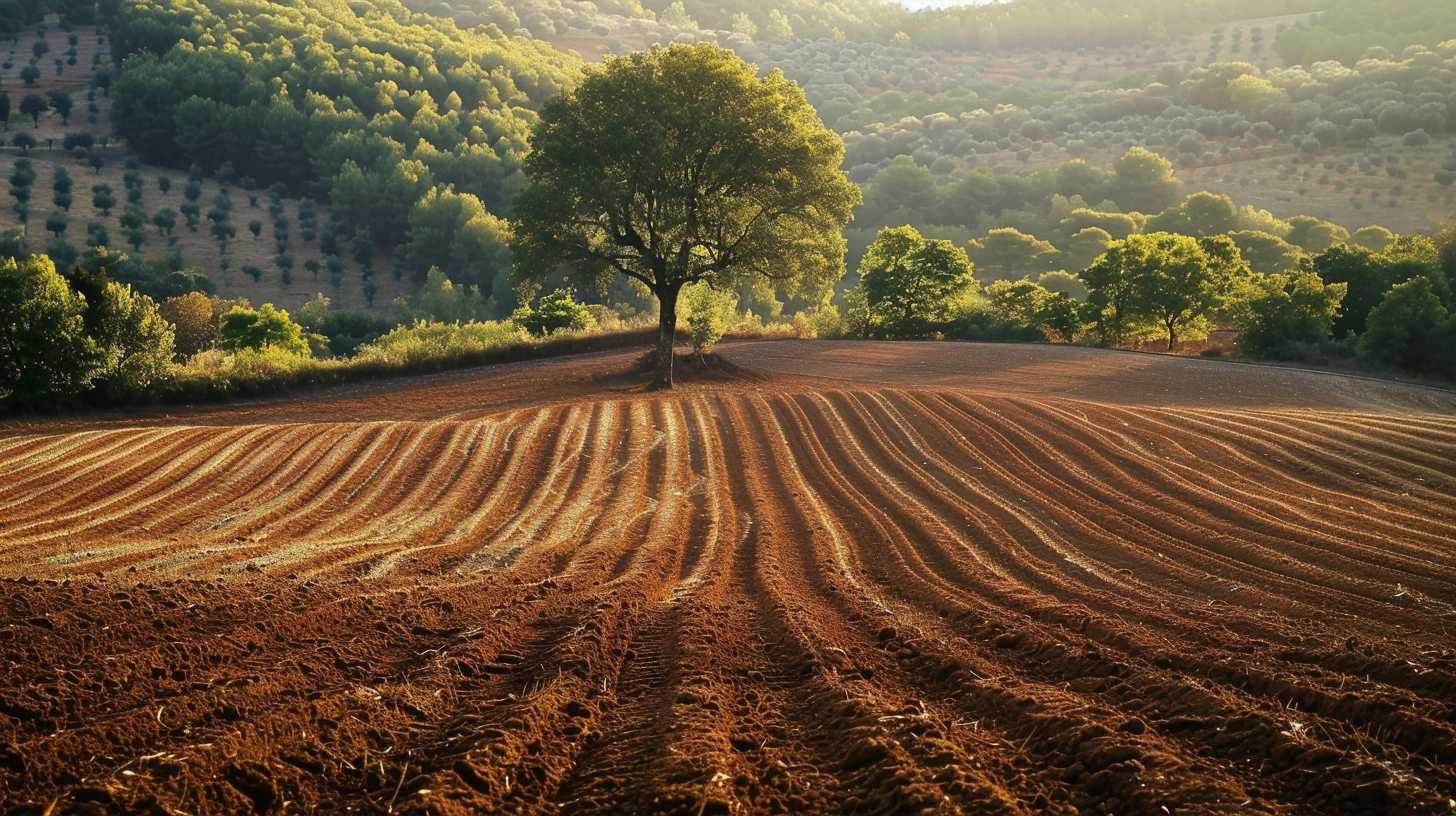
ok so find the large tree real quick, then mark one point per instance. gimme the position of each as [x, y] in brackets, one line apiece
[677, 165]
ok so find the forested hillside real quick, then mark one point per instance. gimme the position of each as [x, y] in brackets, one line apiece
[365, 104]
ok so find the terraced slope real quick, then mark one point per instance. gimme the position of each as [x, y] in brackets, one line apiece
[837, 578]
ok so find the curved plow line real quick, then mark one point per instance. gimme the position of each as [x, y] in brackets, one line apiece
[881, 612]
[1232, 527]
[45, 449]
[1424, 521]
[258, 475]
[1360, 525]
[331, 549]
[142, 541]
[626, 503]
[1315, 453]
[1210, 518]
[714, 475]
[464, 530]
[300, 484]
[222, 447]
[323, 502]
[1399, 435]
[419, 496]
[1188, 531]
[1051, 541]
[1142, 542]
[589, 493]
[1383, 448]
[118, 468]
[388, 531]
[948, 532]
[542, 500]
[1373, 514]
[20, 479]
[557, 498]
[839, 547]
[661, 526]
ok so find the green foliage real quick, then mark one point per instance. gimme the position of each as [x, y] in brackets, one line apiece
[364, 102]
[426, 344]
[1027, 305]
[912, 284]
[46, 358]
[194, 320]
[555, 312]
[1144, 182]
[1008, 253]
[1283, 316]
[453, 233]
[1409, 330]
[765, 196]
[1370, 275]
[264, 328]
[440, 300]
[136, 343]
[1174, 282]
[709, 311]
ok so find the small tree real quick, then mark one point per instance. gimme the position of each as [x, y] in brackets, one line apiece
[56, 224]
[1187, 281]
[60, 102]
[102, 198]
[25, 142]
[165, 220]
[137, 344]
[194, 321]
[33, 105]
[48, 357]
[265, 327]
[709, 313]
[1285, 313]
[1403, 331]
[912, 284]
[555, 312]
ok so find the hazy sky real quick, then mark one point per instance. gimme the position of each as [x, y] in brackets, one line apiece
[920, 4]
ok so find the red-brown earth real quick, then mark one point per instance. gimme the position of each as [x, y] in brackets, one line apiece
[829, 577]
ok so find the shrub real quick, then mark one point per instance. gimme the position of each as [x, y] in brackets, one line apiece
[1405, 329]
[47, 357]
[194, 322]
[1285, 314]
[136, 343]
[554, 312]
[426, 344]
[262, 328]
[709, 311]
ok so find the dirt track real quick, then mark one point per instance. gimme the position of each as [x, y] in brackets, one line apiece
[837, 578]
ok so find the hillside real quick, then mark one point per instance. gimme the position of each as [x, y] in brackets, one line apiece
[189, 248]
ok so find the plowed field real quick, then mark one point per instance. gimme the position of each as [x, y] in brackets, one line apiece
[913, 578]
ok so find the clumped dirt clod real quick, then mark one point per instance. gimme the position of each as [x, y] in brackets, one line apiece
[822, 578]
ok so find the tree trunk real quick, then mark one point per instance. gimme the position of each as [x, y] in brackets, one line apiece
[1172, 337]
[666, 334]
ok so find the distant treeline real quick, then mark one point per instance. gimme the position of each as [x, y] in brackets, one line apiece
[1351, 27]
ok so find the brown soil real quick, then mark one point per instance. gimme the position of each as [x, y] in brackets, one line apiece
[819, 578]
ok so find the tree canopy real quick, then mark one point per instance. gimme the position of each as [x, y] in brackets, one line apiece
[678, 165]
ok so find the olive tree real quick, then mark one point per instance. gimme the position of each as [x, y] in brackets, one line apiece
[678, 165]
